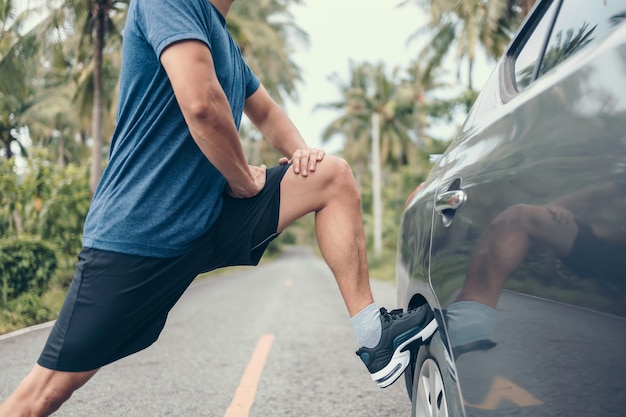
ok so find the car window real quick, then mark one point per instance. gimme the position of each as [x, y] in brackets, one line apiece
[579, 24]
[528, 55]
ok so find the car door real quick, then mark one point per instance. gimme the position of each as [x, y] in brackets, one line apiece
[530, 270]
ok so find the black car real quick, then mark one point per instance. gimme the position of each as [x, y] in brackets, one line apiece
[517, 239]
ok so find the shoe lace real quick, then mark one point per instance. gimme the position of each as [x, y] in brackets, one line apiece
[389, 316]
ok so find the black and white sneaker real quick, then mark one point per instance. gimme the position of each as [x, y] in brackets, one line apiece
[387, 360]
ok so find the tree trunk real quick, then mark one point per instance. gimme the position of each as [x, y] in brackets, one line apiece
[376, 184]
[7, 149]
[469, 75]
[17, 218]
[61, 152]
[100, 16]
[5, 138]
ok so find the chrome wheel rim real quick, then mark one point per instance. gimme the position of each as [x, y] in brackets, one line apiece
[431, 394]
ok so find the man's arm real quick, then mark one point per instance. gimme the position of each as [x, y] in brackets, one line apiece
[281, 133]
[189, 66]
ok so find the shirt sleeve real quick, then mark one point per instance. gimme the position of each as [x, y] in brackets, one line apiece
[252, 81]
[164, 22]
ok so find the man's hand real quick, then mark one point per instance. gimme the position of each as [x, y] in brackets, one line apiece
[252, 188]
[304, 160]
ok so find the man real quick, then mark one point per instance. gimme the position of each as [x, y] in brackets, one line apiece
[178, 198]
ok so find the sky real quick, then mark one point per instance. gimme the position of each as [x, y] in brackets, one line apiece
[343, 30]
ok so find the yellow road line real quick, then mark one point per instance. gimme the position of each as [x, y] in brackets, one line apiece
[246, 391]
[504, 391]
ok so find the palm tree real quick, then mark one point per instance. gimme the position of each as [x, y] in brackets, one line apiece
[96, 22]
[353, 121]
[422, 81]
[51, 121]
[370, 91]
[55, 121]
[374, 115]
[18, 65]
[267, 35]
[471, 24]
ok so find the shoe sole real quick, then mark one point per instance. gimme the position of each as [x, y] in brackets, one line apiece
[400, 358]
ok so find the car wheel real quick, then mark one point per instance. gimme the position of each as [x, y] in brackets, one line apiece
[430, 399]
[431, 382]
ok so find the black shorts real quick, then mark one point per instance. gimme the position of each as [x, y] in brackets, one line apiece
[117, 304]
[592, 257]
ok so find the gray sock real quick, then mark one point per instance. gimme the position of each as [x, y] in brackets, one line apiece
[367, 327]
[469, 321]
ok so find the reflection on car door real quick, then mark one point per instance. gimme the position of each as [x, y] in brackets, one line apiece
[531, 269]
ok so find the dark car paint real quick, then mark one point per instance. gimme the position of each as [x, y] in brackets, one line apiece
[560, 338]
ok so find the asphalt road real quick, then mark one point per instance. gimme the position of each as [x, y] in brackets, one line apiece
[289, 310]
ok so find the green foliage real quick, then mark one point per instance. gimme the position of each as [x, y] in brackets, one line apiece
[18, 64]
[63, 212]
[8, 196]
[266, 33]
[29, 309]
[26, 310]
[28, 264]
[46, 200]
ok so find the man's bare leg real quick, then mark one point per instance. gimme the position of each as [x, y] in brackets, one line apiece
[42, 392]
[504, 244]
[331, 192]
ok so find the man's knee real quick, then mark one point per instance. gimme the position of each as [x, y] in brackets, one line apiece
[341, 177]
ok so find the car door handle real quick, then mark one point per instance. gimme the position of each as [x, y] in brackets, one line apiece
[450, 200]
[448, 203]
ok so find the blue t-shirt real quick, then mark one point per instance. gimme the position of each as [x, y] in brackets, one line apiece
[158, 192]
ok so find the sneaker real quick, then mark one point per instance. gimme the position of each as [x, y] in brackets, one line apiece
[387, 360]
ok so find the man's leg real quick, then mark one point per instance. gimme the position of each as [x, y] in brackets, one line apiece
[500, 250]
[42, 392]
[504, 244]
[331, 192]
